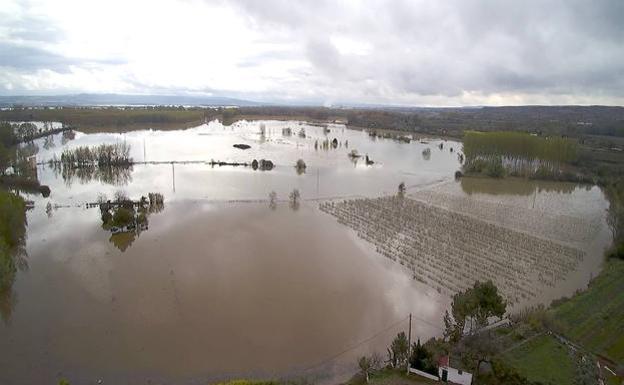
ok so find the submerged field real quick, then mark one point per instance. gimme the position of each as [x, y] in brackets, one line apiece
[450, 251]
[226, 283]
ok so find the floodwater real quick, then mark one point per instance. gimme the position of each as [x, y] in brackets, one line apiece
[222, 286]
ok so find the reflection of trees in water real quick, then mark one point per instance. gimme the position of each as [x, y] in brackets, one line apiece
[294, 199]
[123, 240]
[113, 175]
[127, 219]
[522, 187]
[12, 249]
[8, 297]
[48, 142]
[67, 136]
[426, 153]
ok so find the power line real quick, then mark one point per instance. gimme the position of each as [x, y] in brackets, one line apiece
[331, 358]
[355, 346]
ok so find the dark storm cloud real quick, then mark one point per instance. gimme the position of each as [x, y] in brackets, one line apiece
[446, 48]
[26, 58]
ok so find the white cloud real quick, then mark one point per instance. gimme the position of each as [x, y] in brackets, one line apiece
[400, 52]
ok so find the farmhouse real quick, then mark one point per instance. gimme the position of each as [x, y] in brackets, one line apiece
[452, 375]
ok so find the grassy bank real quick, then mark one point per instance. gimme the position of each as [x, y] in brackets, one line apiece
[389, 376]
[111, 118]
[544, 360]
[595, 317]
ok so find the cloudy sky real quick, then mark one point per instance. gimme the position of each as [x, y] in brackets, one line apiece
[314, 51]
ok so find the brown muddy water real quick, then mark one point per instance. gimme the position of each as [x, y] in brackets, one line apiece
[221, 286]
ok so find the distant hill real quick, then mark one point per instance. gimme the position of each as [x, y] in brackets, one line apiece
[119, 99]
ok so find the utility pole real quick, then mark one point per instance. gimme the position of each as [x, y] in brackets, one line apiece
[173, 174]
[409, 343]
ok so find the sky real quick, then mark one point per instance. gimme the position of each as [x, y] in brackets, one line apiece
[410, 52]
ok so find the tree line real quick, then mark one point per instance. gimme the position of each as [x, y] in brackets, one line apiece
[104, 155]
[517, 153]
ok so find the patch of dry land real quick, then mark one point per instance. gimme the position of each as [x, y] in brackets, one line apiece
[450, 250]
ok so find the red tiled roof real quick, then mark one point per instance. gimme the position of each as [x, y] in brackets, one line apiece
[443, 361]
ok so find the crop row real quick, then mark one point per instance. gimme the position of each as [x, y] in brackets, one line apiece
[450, 251]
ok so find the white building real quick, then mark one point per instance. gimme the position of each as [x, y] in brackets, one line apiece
[452, 375]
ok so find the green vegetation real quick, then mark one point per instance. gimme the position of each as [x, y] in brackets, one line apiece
[398, 350]
[390, 376]
[12, 236]
[517, 153]
[251, 382]
[594, 317]
[422, 359]
[94, 119]
[475, 305]
[7, 140]
[543, 359]
[124, 212]
[614, 190]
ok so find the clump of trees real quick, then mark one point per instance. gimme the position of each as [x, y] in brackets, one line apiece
[104, 155]
[398, 352]
[422, 359]
[517, 153]
[123, 212]
[263, 164]
[88, 118]
[471, 310]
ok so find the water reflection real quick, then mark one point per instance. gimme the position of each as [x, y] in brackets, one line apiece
[426, 153]
[513, 186]
[127, 219]
[113, 175]
[67, 136]
[209, 291]
[12, 249]
[8, 298]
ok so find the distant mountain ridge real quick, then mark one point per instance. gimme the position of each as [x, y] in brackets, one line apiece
[120, 99]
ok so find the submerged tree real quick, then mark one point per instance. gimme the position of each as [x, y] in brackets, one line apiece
[294, 199]
[273, 200]
[401, 190]
[300, 166]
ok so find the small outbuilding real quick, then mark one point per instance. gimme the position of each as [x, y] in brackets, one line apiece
[452, 375]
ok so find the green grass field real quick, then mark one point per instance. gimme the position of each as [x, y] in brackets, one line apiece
[595, 317]
[543, 359]
[390, 377]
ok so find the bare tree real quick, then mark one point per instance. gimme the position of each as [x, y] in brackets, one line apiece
[366, 366]
[295, 197]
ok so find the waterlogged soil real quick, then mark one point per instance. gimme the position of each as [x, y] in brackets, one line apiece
[220, 285]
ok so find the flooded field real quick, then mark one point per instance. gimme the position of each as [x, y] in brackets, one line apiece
[221, 285]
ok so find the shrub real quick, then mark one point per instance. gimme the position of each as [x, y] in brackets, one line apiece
[616, 252]
[123, 217]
